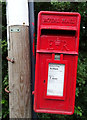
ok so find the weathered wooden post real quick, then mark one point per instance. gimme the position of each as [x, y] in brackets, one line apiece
[19, 59]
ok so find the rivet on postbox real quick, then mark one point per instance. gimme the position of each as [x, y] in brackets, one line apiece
[56, 62]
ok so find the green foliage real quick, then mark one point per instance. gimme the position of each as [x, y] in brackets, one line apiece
[5, 106]
[82, 71]
[78, 111]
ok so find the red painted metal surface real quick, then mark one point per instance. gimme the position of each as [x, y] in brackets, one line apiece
[58, 33]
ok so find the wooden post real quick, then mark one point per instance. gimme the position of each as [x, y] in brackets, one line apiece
[19, 52]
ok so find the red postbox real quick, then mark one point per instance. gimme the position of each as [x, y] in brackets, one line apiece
[56, 62]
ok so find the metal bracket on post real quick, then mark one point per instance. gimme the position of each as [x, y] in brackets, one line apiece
[10, 60]
[7, 91]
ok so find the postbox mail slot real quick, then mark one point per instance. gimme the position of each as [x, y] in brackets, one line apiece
[58, 27]
[58, 32]
[56, 62]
